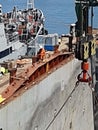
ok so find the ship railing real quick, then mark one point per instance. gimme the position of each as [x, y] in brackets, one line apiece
[12, 38]
[23, 38]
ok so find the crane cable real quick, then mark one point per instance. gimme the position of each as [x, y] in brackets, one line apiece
[91, 86]
[76, 85]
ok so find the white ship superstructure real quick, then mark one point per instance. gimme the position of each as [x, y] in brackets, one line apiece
[10, 46]
[18, 29]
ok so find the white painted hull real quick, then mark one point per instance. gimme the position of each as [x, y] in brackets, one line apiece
[15, 54]
[48, 105]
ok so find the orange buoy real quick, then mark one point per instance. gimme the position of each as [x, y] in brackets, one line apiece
[85, 66]
[84, 75]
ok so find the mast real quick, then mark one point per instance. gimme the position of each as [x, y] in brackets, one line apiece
[30, 4]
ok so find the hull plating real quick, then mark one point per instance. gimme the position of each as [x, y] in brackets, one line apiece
[51, 105]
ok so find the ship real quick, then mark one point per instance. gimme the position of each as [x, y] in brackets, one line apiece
[19, 28]
[42, 94]
[56, 92]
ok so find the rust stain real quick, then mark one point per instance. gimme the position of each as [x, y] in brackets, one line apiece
[31, 73]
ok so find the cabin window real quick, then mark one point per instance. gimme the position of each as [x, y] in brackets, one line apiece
[5, 52]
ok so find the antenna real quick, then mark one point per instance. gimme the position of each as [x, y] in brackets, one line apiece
[30, 4]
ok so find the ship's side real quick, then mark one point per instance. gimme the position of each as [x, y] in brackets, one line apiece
[51, 103]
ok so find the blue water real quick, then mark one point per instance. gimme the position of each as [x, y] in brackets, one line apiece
[59, 14]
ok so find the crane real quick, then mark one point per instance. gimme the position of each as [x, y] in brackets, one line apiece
[86, 44]
[82, 8]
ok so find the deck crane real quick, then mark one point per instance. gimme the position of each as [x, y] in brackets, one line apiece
[86, 45]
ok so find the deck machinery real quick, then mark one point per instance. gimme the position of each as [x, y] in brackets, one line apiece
[86, 42]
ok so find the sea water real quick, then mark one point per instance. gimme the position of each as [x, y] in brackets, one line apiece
[59, 14]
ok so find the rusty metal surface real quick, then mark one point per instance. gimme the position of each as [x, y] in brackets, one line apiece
[33, 72]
